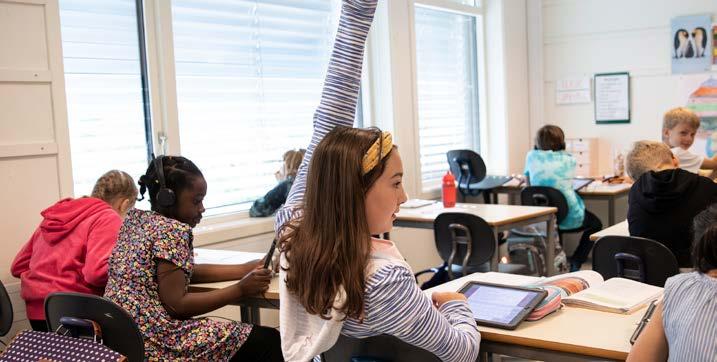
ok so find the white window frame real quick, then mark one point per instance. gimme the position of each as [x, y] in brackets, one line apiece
[159, 38]
[397, 77]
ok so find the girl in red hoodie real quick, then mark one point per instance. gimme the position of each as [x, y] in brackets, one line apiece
[68, 252]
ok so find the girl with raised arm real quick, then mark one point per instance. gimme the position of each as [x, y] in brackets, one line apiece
[335, 278]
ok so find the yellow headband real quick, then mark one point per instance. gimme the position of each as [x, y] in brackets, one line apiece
[378, 150]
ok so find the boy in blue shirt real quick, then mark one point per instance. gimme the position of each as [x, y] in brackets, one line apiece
[550, 165]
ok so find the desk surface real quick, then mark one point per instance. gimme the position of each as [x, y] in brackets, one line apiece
[600, 189]
[619, 229]
[494, 215]
[595, 188]
[272, 294]
[216, 256]
[573, 330]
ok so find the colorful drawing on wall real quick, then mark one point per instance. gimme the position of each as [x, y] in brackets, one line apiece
[703, 101]
[691, 45]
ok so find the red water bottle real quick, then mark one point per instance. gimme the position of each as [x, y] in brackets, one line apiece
[449, 190]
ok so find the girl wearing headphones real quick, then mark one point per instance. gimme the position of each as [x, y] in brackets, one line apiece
[152, 265]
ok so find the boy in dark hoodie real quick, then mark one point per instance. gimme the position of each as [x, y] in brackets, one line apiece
[664, 199]
[68, 252]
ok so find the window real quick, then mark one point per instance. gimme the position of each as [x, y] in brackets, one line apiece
[249, 76]
[103, 81]
[447, 88]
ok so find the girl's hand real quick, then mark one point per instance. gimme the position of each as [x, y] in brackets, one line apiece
[255, 283]
[442, 297]
[254, 264]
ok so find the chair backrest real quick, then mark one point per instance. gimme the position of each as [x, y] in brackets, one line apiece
[378, 348]
[463, 239]
[6, 313]
[635, 258]
[467, 167]
[119, 331]
[545, 196]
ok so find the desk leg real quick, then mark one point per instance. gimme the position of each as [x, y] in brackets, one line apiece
[485, 357]
[495, 260]
[550, 253]
[611, 210]
[250, 315]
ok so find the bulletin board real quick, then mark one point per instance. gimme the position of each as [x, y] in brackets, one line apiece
[612, 98]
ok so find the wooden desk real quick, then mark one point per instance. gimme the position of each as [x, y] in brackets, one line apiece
[619, 229]
[609, 193]
[249, 306]
[593, 191]
[569, 334]
[499, 217]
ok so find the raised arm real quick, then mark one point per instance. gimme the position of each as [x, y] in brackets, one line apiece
[340, 93]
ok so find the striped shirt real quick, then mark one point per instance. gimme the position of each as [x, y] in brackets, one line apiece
[393, 302]
[690, 317]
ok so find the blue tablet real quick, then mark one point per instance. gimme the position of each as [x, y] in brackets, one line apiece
[501, 306]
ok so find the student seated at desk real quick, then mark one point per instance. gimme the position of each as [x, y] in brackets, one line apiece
[664, 198]
[272, 201]
[153, 263]
[68, 252]
[550, 165]
[334, 277]
[679, 126]
[683, 326]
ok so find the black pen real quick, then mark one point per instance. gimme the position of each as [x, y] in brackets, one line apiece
[643, 321]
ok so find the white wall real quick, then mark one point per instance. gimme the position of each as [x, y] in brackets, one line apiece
[34, 148]
[507, 96]
[582, 37]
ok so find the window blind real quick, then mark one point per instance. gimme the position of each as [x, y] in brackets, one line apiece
[447, 89]
[249, 76]
[104, 90]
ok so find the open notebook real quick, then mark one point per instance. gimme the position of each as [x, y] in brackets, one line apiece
[587, 289]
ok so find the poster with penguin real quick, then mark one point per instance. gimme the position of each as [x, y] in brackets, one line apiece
[690, 43]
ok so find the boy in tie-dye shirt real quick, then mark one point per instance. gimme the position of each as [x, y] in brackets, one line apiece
[550, 165]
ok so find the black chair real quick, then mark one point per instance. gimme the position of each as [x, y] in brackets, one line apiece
[119, 332]
[381, 348]
[547, 197]
[6, 312]
[551, 197]
[470, 172]
[466, 243]
[631, 257]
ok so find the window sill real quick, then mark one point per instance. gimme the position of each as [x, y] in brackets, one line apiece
[226, 230]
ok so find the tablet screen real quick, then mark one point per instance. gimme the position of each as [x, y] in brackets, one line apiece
[500, 305]
[579, 183]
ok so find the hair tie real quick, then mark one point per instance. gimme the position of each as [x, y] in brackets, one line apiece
[378, 150]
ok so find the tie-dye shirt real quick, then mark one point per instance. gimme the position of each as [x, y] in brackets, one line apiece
[557, 169]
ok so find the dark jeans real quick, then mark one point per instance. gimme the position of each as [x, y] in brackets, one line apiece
[39, 325]
[263, 344]
[591, 224]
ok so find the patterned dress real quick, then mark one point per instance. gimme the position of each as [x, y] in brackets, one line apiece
[145, 237]
[556, 169]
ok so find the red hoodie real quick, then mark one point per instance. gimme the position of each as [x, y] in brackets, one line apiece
[68, 252]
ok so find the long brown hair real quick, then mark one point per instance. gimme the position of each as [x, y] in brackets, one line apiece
[329, 246]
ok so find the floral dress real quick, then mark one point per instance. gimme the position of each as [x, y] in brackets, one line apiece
[145, 237]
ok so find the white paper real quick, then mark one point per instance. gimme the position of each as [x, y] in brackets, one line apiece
[572, 91]
[416, 203]
[612, 97]
[225, 257]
